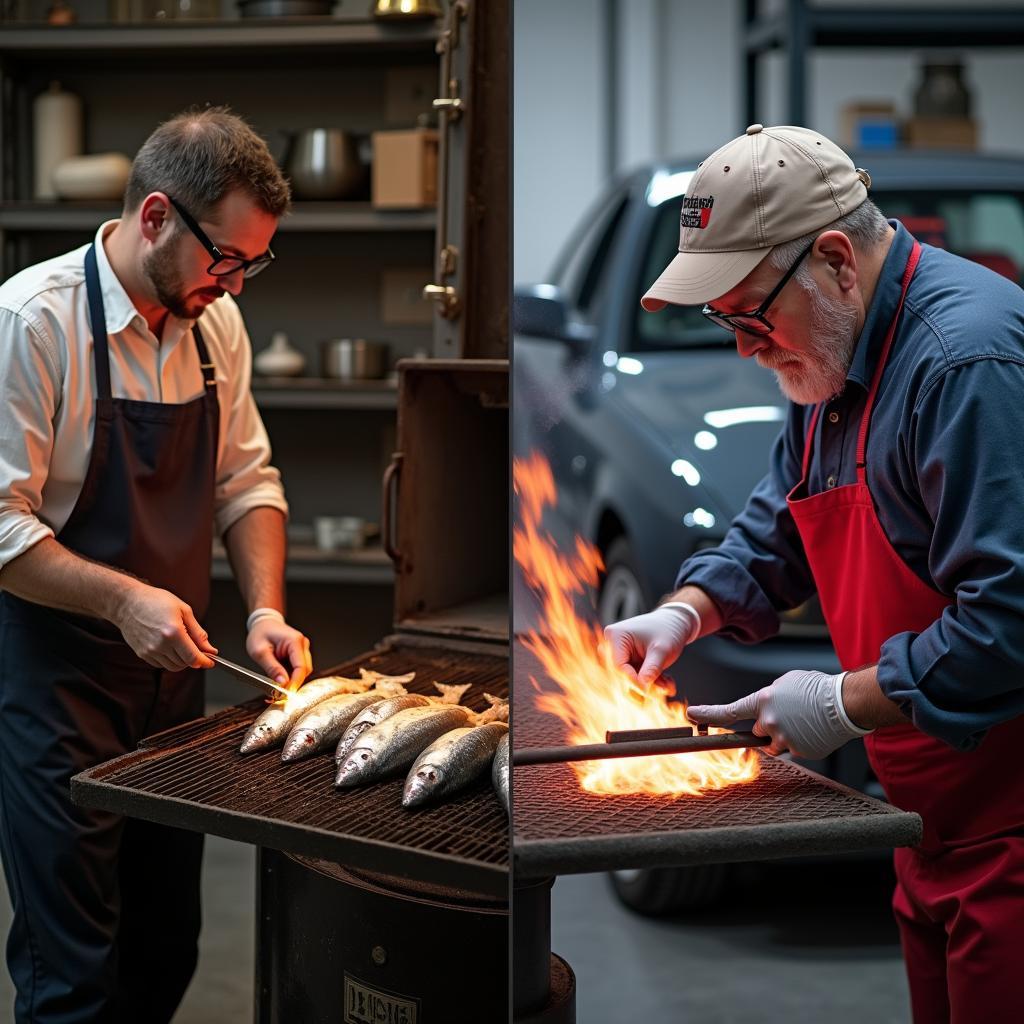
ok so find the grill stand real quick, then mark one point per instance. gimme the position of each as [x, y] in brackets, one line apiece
[543, 986]
[339, 945]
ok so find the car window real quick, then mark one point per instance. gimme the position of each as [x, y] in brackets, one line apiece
[985, 227]
[673, 326]
[586, 262]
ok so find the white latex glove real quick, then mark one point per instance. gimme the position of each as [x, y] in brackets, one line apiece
[654, 640]
[801, 711]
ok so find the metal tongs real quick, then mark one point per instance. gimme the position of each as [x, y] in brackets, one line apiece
[641, 743]
[267, 686]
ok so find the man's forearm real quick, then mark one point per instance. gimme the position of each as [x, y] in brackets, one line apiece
[257, 548]
[865, 703]
[710, 616]
[49, 574]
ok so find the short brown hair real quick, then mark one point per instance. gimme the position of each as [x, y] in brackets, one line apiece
[200, 156]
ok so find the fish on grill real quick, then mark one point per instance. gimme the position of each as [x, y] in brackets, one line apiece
[499, 771]
[452, 762]
[377, 713]
[321, 726]
[390, 747]
[273, 725]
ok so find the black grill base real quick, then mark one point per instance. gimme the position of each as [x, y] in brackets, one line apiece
[338, 946]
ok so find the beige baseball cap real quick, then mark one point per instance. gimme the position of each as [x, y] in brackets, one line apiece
[766, 187]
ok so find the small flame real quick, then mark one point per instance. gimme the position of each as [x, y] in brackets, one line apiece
[593, 695]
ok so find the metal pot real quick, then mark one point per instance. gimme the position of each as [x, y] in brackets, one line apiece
[323, 163]
[353, 359]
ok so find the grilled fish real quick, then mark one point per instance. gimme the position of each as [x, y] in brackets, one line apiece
[390, 747]
[368, 675]
[274, 724]
[499, 771]
[452, 762]
[376, 713]
[321, 726]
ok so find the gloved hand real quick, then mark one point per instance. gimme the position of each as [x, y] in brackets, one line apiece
[801, 711]
[654, 640]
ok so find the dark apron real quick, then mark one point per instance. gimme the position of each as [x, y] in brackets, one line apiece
[959, 898]
[106, 909]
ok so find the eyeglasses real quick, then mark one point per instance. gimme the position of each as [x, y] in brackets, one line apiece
[222, 265]
[755, 322]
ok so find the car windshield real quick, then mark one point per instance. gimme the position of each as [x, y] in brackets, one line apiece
[985, 227]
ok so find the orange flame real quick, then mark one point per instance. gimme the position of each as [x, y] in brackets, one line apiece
[592, 694]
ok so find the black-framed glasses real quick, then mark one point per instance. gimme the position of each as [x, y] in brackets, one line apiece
[755, 322]
[222, 264]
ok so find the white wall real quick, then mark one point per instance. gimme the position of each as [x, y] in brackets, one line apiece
[677, 93]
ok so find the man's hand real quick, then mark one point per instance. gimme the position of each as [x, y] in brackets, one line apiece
[645, 645]
[801, 711]
[271, 642]
[162, 630]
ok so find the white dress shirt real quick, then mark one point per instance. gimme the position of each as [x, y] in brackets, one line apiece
[48, 393]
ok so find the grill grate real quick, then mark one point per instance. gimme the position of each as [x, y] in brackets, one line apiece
[786, 811]
[194, 777]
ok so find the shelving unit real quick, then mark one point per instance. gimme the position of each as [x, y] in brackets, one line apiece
[331, 440]
[800, 27]
[26, 215]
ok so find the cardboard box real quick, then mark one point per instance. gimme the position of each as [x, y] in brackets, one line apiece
[869, 125]
[942, 133]
[405, 169]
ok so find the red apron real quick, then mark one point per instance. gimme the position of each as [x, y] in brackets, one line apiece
[959, 897]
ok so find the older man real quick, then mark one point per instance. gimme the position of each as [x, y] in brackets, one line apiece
[895, 491]
[127, 435]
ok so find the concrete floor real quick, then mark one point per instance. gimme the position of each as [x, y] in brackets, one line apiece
[792, 942]
[222, 989]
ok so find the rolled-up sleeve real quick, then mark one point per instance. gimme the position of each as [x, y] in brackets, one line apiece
[30, 389]
[963, 674]
[760, 567]
[245, 477]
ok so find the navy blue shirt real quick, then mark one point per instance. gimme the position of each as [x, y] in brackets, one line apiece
[945, 467]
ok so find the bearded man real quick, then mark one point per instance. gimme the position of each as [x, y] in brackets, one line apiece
[128, 433]
[895, 492]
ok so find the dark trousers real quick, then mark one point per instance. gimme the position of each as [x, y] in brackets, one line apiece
[106, 909]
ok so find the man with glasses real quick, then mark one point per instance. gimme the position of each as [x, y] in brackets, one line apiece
[128, 434]
[894, 492]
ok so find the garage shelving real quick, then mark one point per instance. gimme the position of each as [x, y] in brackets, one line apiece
[800, 26]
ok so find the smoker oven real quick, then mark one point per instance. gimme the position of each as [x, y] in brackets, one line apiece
[368, 912]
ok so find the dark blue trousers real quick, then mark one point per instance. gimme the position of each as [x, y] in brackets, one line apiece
[106, 909]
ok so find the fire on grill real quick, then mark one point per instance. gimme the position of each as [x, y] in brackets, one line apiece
[590, 695]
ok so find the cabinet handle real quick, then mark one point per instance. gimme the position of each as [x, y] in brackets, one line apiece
[389, 509]
[446, 297]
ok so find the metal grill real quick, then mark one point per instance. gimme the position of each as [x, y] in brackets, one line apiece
[194, 777]
[786, 811]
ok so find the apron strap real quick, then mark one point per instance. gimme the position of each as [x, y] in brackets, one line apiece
[205, 363]
[876, 380]
[98, 323]
[809, 441]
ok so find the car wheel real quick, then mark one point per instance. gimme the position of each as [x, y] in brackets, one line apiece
[622, 594]
[662, 891]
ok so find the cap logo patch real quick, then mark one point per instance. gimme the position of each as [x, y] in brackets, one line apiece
[696, 211]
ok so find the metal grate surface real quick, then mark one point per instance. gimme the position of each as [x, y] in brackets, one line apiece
[194, 777]
[786, 811]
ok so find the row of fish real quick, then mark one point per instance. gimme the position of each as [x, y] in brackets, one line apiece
[381, 730]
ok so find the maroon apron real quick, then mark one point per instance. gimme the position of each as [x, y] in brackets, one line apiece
[959, 897]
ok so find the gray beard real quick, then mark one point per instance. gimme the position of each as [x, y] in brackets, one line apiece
[824, 365]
